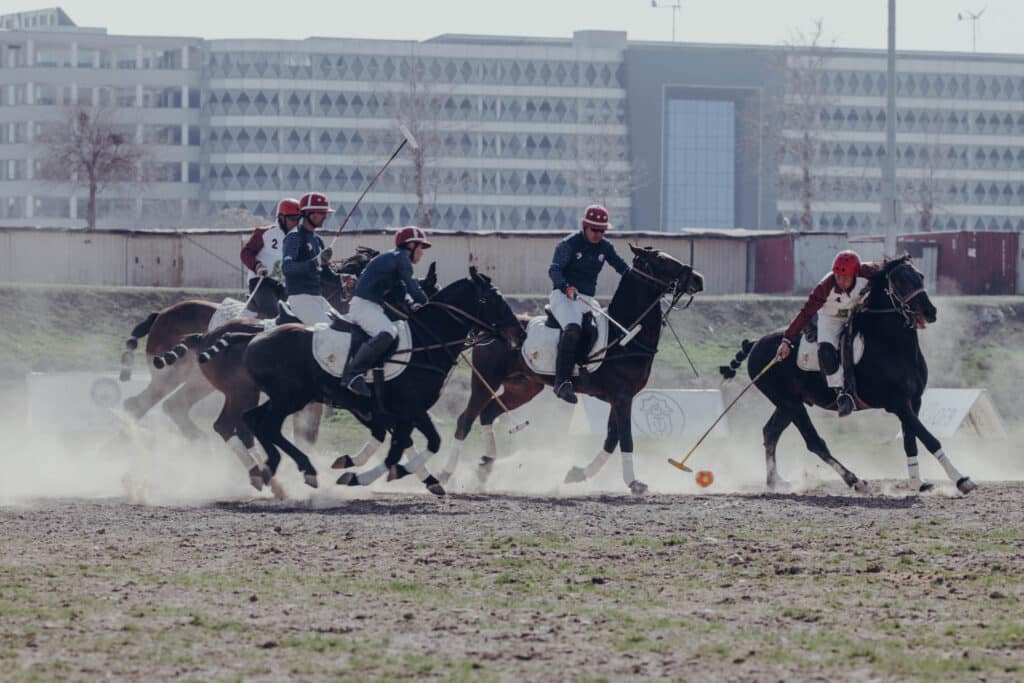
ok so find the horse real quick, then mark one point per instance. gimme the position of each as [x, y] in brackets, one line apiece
[623, 373]
[891, 376]
[221, 365]
[183, 386]
[281, 363]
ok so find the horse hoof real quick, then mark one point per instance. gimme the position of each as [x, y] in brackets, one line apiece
[637, 487]
[860, 486]
[575, 475]
[925, 486]
[277, 489]
[310, 480]
[343, 463]
[483, 470]
[397, 472]
[777, 484]
[256, 478]
[436, 489]
[267, 475]
[965, 485]
[349, 479]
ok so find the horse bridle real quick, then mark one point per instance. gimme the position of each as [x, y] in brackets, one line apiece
[456, 312]
[901, 304]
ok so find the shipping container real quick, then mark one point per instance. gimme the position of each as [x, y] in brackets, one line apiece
[773, 264]
[970, 262]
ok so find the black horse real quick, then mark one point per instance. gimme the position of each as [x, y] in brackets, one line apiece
[621, 376]
[891, 375]
[281, 363]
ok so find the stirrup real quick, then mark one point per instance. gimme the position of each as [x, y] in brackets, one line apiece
[844, 404]
[358, 386]
[565, 392]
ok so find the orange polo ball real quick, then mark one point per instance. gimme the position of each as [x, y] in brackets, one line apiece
[705, 478]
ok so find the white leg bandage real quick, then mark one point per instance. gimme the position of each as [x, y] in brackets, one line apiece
[243, 454]
[373, 474]
[628, 475]
[597, 463]
[913, 470]
[418, 463]
[951, 472]
[490, 445]
[366, 452]
[453, 456]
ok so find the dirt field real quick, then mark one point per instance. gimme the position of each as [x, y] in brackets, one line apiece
[754, 587]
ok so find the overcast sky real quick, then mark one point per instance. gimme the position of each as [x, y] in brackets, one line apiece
[921, 24]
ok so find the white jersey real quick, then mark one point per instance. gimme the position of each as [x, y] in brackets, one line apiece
[268, 244]
[842, 305]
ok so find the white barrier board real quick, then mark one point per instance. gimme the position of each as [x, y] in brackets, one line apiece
[657, 414]
[945, 411]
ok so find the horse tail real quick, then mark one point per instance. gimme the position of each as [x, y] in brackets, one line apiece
[132, 343]
[189, 341]
[226, 340]
[729, 371]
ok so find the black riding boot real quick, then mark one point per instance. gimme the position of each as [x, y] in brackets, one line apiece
[368, 354]
[564, 362]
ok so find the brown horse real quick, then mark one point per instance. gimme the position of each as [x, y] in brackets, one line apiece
[181, 384]
[622, 374]
[221, 366]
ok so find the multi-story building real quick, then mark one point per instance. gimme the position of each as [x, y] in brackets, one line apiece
[515, 133]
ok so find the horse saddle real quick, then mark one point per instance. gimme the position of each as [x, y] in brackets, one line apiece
[807, 352]
[336, 342]
[541, 346]
[285, 314]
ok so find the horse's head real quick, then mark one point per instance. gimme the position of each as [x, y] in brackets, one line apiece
[429, 283]
[495, 311]
[903, 285]
[354, 264]
[675, 276]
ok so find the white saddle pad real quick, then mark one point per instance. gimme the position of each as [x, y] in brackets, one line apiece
[807, 354]
[233, 309]
[541, 346]
[330, 348]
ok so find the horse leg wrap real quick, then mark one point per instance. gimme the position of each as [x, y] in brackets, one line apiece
[628, 475]
[952, 472]
[914, 471]
[243, 454]
[453, 461]
[598, 462]
[373, 474]
[490, 445]
[417, 464]
[366, 452]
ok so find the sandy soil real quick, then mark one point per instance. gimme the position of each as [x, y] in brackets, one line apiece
[755, 587]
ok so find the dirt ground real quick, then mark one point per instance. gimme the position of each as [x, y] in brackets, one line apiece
[819, 585]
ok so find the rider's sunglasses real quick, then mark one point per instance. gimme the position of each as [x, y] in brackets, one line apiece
[600, 230]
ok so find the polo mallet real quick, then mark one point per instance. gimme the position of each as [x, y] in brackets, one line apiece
[682, 464]
[407, 137]
[254, 290]
[596, 308]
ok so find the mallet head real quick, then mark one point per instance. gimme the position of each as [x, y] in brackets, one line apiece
[407, 134]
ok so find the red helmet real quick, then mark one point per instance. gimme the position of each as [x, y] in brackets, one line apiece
[596, 217]
[412, 234]
[288, 207]
[315, 201]
[846, 263]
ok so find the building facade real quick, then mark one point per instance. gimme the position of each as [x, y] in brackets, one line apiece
[515, 133]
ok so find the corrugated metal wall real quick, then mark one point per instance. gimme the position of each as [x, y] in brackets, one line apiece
[773, 268]
[813, 254]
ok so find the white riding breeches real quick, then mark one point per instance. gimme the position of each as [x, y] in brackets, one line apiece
[829, 329]
[370, 317]
[567, 311]
[310, 308]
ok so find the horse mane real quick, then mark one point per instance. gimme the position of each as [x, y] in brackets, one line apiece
[354, 264]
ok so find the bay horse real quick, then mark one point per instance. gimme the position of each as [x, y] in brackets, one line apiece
[622, 375]
[891, 376]
[182, 385]
[281, 363]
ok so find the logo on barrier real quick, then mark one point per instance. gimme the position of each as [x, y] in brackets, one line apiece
[659, 415]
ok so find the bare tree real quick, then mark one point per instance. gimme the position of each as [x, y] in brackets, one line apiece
[795, 133]
[603, 168]
[90, 149]
[921, 185]
[418, 107]
[235, 217]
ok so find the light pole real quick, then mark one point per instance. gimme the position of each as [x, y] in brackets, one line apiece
[891, 212]
[973, 18]
[672, 6]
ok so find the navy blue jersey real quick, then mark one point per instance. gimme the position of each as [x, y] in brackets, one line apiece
[577, 262]
[388, 277]
[301, 272]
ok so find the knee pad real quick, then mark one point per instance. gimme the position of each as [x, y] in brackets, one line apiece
[828, 358]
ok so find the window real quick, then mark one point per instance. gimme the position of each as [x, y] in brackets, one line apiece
[125, 57]
[193, 172]
[700, 164]
[161, 59]
[53, 55]
[125, 96]
[193, 136]
[46, 94]
[46, 207]
[87, 57]
[12, 207]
